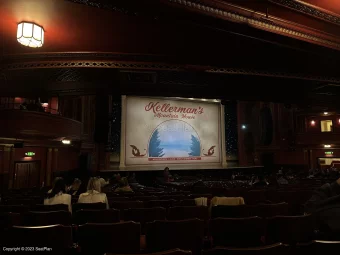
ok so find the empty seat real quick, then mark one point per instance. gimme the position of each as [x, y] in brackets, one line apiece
[275, 249]
[97, 216]
[88, 206]
[159, 203]
[185, 234]
[47, 208]
[172, 197]
[269, 210]
[185, 202]
[14, 208]
[237, 232]
[188, 212]
[144, 215]
[46, 218]
[56, 237]
[290, 229]
[144, 198]
[122, 205]
[254, 197]
[317, 247]
[229, 211]
[8, 219]
[115, 238]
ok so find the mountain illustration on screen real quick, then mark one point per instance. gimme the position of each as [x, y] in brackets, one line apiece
[154, 145]
[195, 147]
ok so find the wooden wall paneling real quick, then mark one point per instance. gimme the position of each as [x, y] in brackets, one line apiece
[49, 167]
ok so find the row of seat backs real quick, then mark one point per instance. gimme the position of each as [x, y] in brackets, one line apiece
[125, 238]
[224, 231]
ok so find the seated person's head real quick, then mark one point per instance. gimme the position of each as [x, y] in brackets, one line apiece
[76, 184]
[94, 184]
[123, 182]
[58, 186]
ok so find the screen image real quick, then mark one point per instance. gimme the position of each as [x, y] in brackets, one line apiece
[171, 131]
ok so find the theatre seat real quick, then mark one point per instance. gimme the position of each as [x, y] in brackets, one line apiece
[290, 229]
[114, 238]
[269, 210]
[97, 216]
[57, 237]
[237, 232]
[14, 208]
[144, 215]
[46, 218]
[184, 234]
[88, 206]
[230, 211]
[188, 212]
[159, 203]
[275, 249]
[48, 208]
[317, 247]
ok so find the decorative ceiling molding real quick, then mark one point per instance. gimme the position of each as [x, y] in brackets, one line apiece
[91, 64]
[258, 22]
[240, 71]
[100, 64]
[98, 4]
[309, 10]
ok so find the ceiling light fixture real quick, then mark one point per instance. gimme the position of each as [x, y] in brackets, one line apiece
[66, 141]
[30, 34]
[327, 146]
[326, 113]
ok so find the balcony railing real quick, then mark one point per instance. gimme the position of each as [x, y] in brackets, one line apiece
[29, 107]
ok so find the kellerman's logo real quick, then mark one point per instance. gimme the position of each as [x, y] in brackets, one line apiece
[157, 107]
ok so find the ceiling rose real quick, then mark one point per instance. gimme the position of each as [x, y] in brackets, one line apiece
[30, 34]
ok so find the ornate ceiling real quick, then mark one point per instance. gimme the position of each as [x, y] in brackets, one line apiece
[208, 48]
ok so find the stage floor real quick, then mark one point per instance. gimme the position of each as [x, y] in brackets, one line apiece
[178, 168]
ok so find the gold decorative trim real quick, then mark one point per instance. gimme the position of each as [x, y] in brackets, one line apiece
[257, 22]
[90, 64]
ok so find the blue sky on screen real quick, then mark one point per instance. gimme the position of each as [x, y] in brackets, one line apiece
[175, 137]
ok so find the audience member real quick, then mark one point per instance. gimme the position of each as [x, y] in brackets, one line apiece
[58, 195]
[260, 182]
[74, 188]
[167, 175]
[282, 180]
[123, 186]
[93, 193]
[325, 205]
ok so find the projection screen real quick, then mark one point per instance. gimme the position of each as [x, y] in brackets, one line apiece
[171, 132]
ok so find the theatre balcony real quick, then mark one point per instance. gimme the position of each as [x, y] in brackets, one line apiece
[26, 124]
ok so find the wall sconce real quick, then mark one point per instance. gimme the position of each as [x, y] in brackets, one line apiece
[327, 146]
[30, 34]
[312, 123]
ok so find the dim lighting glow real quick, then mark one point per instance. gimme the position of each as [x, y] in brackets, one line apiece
[243, 126]
[326, 113]
[327, 146]
[31, 35]
[66, 141]
[312, 122]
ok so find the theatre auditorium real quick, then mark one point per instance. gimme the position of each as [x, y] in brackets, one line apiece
[170, 127]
